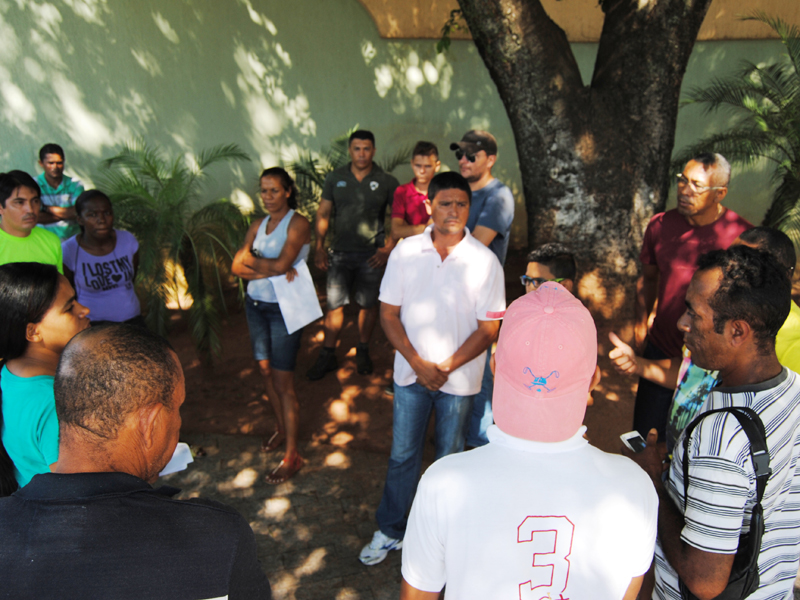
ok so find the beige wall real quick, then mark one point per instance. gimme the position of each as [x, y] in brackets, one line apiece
[582, 20]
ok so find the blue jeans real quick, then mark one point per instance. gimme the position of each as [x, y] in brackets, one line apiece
[482, 415]
[412, 411]
[268, 334]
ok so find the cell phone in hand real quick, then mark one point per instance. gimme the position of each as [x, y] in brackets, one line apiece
[633, 441]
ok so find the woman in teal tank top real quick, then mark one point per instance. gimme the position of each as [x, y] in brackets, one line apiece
[273, 246]
[39, 314]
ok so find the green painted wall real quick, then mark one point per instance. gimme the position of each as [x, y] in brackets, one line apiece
[274, 77]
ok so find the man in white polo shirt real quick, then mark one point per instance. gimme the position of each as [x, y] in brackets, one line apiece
[537, 512]
[440, 297]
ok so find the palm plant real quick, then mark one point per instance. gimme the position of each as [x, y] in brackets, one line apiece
[159, 202]
[310, 172]
[767, 102]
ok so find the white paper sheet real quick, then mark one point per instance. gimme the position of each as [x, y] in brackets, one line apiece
[298, 299]
[179, 461]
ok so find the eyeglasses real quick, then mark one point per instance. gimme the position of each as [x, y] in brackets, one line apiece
[460, 153]
[698, 189]
[537, 281]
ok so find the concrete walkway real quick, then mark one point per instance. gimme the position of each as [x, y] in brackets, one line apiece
[309, 529]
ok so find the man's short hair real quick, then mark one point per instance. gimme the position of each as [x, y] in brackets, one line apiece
[361, 134]
[423, 148]
[27, 291]
[753, 289]
[108, 372]
[15, 179]
[50, 149]
[449, 180]
[556, 257]
[775, 242]
[721, 168]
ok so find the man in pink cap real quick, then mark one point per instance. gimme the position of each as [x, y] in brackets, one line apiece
[538, 512]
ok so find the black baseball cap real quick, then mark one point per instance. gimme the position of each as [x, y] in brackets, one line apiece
[475, 141]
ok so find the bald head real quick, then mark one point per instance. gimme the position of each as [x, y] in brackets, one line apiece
[107, 373]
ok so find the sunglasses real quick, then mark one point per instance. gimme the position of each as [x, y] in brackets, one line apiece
[537, 281]
[460, 154]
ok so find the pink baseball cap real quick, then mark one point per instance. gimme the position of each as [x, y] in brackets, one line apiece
[546, 356]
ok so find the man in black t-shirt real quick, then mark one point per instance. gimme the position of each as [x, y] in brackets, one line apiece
[357, 195]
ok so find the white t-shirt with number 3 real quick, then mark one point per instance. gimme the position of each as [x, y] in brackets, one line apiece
[525, 520]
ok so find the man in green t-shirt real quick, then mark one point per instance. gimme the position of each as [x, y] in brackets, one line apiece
[357, 194]
[20, 239]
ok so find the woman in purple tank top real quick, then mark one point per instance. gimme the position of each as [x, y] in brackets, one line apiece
[101, 262]
[271, 247]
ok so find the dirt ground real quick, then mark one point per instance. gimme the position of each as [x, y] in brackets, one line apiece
[344, 408]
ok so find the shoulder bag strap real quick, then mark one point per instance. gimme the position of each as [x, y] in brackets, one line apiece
[759, 454]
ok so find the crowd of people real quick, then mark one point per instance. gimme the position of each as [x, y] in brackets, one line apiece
[90, 415]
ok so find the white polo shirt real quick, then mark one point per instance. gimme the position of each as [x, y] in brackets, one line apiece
[517, 519]
[441, 302]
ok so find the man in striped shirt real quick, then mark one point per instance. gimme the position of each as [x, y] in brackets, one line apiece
[736, 303]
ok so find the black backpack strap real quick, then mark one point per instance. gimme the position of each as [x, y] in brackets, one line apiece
[759, 454]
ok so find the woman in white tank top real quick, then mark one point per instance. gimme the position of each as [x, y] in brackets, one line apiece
[272, 246]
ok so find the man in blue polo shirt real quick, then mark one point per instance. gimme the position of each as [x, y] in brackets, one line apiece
[490, 218]
[59, 193]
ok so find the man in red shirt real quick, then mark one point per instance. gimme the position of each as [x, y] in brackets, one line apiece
[673, 242]
[409, 215]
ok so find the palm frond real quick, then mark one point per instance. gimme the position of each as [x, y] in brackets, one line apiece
[789, 34]
[160, 203]
[401, 157]
[221, 153]
[785, 208]
[743, 147]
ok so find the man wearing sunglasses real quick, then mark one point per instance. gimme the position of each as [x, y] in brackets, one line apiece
[490, 216]
[673, 242]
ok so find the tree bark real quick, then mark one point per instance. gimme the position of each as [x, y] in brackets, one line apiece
[594, 158]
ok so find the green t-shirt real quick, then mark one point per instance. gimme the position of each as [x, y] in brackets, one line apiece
[359, 208]
[30, 425]
[40, 246]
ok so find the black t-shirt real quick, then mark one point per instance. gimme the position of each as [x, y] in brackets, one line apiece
[359, 208]
[111, 535]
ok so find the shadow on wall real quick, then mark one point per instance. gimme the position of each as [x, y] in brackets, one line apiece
[275, 78]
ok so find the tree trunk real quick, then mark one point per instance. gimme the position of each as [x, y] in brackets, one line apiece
[594, 159]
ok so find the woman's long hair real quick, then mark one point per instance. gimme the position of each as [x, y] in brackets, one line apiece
[27, 291]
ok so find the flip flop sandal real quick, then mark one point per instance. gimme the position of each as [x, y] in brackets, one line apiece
[293, 466]
[273, 442]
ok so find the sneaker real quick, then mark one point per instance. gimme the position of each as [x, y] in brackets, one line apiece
[326, 362]
[363, 361]
[378, 548]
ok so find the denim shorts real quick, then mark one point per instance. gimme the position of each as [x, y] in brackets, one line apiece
[349, 273]
[268, 335]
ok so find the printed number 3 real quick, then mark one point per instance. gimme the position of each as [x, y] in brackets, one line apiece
[551, 539]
